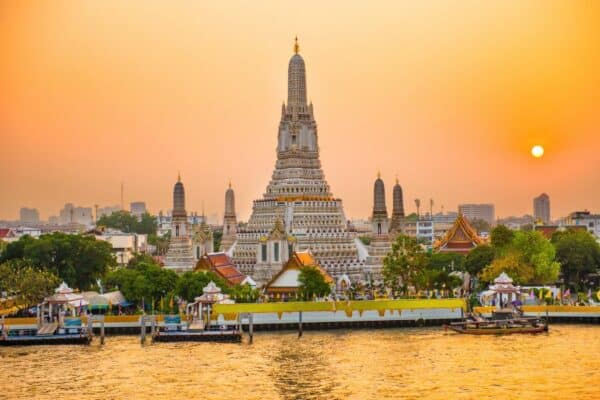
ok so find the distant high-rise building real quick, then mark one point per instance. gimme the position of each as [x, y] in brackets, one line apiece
[29, 215]
[137, 208]
[76, 215]
[485, 212]
[541, 208]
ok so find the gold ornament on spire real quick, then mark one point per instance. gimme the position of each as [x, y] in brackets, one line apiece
[178, 176]
[229, 183]
[296, 46]
[378, 174]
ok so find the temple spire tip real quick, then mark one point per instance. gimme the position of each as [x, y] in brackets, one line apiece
[296, 45]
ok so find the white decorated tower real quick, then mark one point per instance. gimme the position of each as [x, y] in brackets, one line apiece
[298, 195]
[229, 221]
[179, 256]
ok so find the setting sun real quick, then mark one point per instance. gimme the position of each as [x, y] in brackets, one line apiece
[537, 151]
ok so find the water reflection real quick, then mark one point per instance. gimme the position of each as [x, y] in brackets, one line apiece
[360, 364]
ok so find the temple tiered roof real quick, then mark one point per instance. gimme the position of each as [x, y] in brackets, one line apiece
[221, 264]
[461, 238]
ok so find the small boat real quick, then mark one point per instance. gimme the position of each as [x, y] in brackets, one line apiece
[503, 322]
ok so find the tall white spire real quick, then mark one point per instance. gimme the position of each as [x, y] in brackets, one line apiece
[297, 81]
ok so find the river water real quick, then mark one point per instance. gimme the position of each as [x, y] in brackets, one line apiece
[338, 364]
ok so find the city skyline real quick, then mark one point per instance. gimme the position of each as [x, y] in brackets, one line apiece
[134, 95]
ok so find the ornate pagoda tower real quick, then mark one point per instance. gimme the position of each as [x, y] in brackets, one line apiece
[380, 244]
[229, 221]
[397, 209]
[379, 218]
[179, 256]
[298, 195]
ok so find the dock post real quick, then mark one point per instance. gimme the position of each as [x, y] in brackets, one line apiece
[153, 326]
[102, 331]
[251, 326]
[90, 324]
[143, 330]
[299, 324]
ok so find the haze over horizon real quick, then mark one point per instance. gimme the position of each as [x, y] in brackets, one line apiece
[450, 97]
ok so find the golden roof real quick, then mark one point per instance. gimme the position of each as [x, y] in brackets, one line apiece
[461, 234]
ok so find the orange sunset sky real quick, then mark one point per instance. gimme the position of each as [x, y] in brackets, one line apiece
[448, 95]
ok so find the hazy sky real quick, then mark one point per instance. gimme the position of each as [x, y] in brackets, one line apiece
[448, 95]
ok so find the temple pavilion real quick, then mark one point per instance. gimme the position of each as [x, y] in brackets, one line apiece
[285, 283]
[221, 264]
[461, 238]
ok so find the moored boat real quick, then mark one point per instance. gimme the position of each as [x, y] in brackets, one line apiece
[506, 319]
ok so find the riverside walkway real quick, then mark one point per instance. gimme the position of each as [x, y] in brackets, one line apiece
[338, 314]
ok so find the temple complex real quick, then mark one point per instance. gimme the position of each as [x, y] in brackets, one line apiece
[461, 238]
[179, 256]
[297, 211]
[229, 221]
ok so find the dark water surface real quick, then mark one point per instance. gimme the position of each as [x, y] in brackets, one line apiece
[339, 364]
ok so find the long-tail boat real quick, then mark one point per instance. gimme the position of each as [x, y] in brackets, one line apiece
[503, 322]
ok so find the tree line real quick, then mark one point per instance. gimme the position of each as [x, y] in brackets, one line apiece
[527, 257]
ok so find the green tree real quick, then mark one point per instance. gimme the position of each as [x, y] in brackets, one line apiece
[16, 250]
[147, 281]
[190, 284]
[28, 284]
[244, 293]
[537, 251]
[147, 225]
[578, 253]
[121, 220]
[403, 264]
[478, 258]
[217, 237]
[513, 265]
[501, 238]
[129, 223]
[79, 260]
[140, 258]
[312, 283]
[448, 261]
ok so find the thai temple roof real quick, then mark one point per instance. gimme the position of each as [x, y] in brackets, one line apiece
[461, 238]
[221, 264]
[286, 280]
